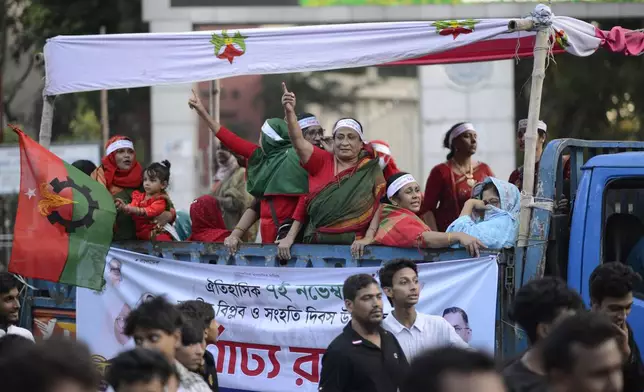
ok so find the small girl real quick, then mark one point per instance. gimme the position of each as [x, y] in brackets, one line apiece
[145, 207]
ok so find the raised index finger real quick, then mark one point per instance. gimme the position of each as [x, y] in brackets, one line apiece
[284, 89]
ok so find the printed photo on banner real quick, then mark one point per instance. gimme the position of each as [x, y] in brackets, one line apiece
[275, 322]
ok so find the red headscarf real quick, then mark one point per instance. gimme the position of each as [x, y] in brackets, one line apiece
[207, 221]
[132, 178]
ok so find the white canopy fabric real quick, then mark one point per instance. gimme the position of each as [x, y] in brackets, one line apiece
[96, 62]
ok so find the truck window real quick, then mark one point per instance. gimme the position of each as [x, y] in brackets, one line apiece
[623, 231]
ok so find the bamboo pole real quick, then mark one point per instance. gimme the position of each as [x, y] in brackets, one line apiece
[105, 121]
[213, 145]
[541, 49]
[46, 121]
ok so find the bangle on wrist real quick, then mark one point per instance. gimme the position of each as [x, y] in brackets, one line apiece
[449, 239]
[240, 229]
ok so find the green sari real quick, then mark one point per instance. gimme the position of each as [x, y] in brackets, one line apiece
[275, 168]
[341, 211]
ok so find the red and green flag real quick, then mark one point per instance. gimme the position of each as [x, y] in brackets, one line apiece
[64, 221]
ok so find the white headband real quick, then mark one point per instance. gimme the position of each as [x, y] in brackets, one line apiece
[351, 124]
[399, 184]
[458, 131]
[523, 124]
[270, 132]
[309, 122]
[381, 148]
[117, 145]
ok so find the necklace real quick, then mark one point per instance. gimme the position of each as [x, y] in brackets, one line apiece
[469, 174]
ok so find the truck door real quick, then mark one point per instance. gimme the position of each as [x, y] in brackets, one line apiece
[614, 231]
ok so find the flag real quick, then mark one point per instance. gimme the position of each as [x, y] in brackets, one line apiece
[64, 221]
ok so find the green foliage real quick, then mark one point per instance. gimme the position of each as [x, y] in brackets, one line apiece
[597, 97]
[9, 136]
[85, 125]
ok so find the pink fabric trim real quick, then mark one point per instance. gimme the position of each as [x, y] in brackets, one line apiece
[621, 40]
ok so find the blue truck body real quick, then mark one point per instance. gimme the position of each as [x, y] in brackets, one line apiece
[569, 245]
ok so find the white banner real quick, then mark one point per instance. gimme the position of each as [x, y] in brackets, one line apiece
[276, 322]
[95, 62]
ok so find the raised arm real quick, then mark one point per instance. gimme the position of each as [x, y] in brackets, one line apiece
[303, 148]
[196, 104]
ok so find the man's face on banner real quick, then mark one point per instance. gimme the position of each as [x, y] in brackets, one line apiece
[462, 328]
[115, 272]
[406, 289]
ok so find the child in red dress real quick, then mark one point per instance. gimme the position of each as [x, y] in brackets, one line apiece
[146, 206]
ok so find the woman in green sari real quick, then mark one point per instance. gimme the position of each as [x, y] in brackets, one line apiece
[344, 186]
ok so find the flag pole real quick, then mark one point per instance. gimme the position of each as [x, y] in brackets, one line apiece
[46, 120]
[541, 49]
[213, 143]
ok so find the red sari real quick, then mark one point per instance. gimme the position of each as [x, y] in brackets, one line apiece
[399, 227]
[207, 221]
[446, 191]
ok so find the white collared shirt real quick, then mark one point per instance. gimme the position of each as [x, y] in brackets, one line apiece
[427, 332]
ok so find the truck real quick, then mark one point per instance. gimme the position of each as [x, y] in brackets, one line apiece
[606, 178]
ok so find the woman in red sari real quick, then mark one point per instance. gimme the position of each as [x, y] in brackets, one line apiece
[207, 221]
[344, 186]
[400, 226]
[450, 183]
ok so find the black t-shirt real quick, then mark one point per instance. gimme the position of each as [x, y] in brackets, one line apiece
[519, 378]
[353, 364]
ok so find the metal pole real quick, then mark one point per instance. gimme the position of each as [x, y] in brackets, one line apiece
[213, 144]
[541, 49]
[105, 119]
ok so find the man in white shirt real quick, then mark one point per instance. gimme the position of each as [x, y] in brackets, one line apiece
[10, 307]
[416, 332]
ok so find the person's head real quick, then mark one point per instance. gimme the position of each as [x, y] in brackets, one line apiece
[193, 343]
[9, 299]
[460, 140]
[541, 304]
[582, 354]
[611, 290]
[541, 137]
[404, 191]
[85, 166]
[141, 370]
[348, 139]
[363, 299]
[452, 369]
[54, 365]
[490, 195]
[115, 272]
[311, 129]
[156, 325]
[459, 320]
[12, 343]
[202, 310]
[156, 177]
[121, 150]
[399, 281]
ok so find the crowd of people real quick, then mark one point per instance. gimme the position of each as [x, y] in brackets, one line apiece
[299, 186]
[571, 348]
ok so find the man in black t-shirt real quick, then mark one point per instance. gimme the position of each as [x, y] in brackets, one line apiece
[537, 308]
[611, 293]
[364, 357]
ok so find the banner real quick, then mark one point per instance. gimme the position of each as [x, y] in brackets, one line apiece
[95, 62]
[276, 322]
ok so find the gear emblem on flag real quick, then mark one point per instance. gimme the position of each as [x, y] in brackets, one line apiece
[234, 46]
[455, 27]
[71, 225]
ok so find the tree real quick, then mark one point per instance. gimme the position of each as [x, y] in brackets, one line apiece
[596, 97]
[37, 20]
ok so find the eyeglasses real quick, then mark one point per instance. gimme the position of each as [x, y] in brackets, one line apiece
[466, 329]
